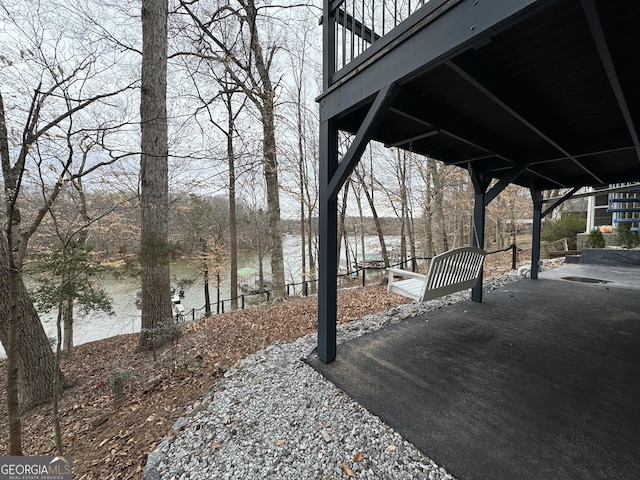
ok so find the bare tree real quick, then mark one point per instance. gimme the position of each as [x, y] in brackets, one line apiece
[248, 62]
[228, 129]
[31, 362]
[360, 174]
[399, 196]
[50, 82]
[154, 180]
[301, 122]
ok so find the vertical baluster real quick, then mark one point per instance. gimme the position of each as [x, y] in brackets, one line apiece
[353, 29]
[337, 50]
[363, 43]
[373, 21]
[395, 13]
[344, 37]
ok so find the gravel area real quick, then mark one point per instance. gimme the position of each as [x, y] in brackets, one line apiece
[275, 417]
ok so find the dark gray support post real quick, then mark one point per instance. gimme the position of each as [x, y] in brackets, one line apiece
[536, 196]
[479, 215]
[328, 207]
[328, 245]
[481, 183]
[332, 176]
[483, 196]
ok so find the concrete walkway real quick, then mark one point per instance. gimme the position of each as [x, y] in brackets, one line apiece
[540, 381]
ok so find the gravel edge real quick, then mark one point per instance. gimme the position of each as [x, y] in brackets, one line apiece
[274, 417]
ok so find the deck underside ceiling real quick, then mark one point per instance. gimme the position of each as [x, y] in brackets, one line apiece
[555, 89]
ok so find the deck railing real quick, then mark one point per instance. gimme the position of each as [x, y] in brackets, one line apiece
[360, 23]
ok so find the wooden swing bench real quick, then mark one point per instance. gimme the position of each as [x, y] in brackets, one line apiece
[449, 272]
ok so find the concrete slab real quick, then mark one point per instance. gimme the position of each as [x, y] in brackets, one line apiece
[541, 380]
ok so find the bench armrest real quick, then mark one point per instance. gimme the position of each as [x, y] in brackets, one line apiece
[404, 273]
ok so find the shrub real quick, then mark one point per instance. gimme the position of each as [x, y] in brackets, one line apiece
[627, 238]
[595, 239]
[567, 227]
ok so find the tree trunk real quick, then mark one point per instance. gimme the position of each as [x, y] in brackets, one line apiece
[10, 343]
[30, 360]
[67, 315]
[362, 227]
[427, 211]
[311, 235]
[260, 266]
[233, 228]
[312, 264]
[83, 236]
[376, 218]
[302, 175]
[404, 227]
[35, 359]
[438, 208]
[264, 101]
[270, 165]
[155, 255]
[342, 231]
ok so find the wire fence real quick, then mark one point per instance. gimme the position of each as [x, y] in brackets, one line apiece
[358, 277]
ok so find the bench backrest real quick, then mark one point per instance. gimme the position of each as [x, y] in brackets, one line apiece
[452, 271]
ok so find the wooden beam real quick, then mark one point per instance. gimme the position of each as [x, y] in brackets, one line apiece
[357, 27]
[367, 129]
[415, 138]
[503, 183]
[559, 201]
[442, 28]
[477, 77]
[600, 39]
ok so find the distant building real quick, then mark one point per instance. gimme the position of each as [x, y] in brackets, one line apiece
[618, 203]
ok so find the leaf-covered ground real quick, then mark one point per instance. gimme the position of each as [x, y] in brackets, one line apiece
[112, 441]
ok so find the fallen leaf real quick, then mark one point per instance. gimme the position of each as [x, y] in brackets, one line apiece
[215, 445]
[357, 457]
[391, 448]
[281, 442]
[347, 471]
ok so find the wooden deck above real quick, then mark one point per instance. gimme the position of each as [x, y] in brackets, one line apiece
[545, 94]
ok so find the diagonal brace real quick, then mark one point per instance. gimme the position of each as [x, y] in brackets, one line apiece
[600, 39]
[503, 183]
[366, 131]
[560, 201]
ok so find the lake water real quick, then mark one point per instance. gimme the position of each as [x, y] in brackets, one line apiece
[186, 275]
